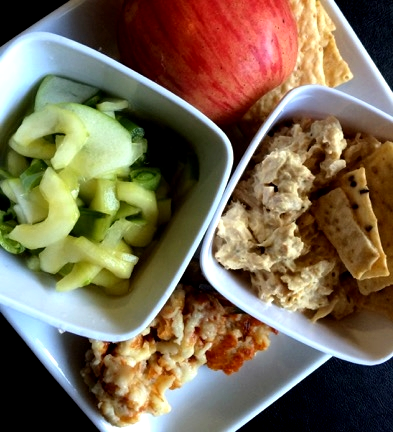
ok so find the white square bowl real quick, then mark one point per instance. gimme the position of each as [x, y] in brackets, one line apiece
[88, 312]
[364, 337]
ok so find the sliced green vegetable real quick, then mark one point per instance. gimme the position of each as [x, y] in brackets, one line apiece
[113, 285]
[78, 249]
[105, 199]
[147, 177]
[30, 207]
[108, 148]
[54, 89]
[81, 195]
[127, 211]
[134, 129]
[112, 105]
[31, 177]
[136, 195]
[91, 224]
[6, 226]
[62, 215]
[139, 232]
[30, 139]
[81, 274]
[16, 163]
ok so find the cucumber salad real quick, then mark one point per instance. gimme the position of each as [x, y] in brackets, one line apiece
[83, 190]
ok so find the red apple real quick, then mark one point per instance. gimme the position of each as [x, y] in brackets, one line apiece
[219, 55]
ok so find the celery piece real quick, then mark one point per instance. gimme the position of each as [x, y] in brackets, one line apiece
[62, 215]
[30, 139]
[108, 148]
[55, 89]
[147, 177]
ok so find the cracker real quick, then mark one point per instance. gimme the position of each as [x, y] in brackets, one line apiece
[336, 69]
[336, 219]
[319, 61]
[379, 172]
[354, 184]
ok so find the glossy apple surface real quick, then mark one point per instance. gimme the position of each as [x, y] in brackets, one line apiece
[219, 55]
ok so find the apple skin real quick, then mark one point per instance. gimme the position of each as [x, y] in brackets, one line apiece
[219, 55]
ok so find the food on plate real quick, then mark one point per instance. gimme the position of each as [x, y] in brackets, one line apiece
[309, 223]
[83, 193]
[196, 327]
[319, 61]
[220, 56]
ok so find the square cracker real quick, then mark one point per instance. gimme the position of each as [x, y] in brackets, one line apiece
[336, 219]
[379, 173]
[354, 184]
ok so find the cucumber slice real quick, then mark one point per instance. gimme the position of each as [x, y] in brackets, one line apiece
[91, 224]
[113, 285]
[55, 89]
[108, 148]
[105, 199]
[136, 195]
[139, 233]
[82, 274]
[16, 163]
[30, 139]
[62, 215]
[112, 105]
[30, 207]
[127, 211]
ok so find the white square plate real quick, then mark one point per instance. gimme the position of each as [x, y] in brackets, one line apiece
[220, 403]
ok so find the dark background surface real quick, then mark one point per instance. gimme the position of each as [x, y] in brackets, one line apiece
[339, 396]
